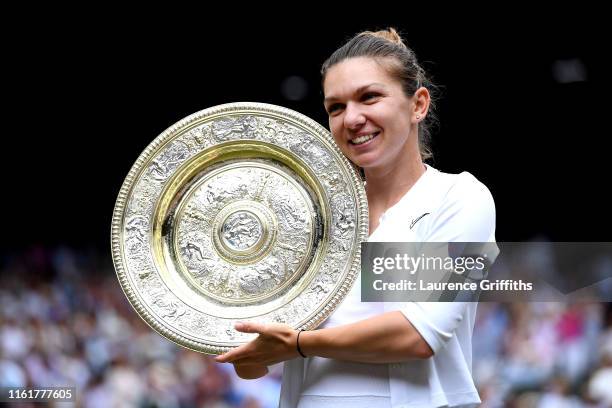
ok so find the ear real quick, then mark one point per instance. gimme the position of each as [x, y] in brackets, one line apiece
[421, 99]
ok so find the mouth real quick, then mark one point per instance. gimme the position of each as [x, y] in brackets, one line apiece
[363, 139]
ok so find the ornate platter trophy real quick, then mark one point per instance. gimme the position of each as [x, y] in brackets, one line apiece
[244, 211]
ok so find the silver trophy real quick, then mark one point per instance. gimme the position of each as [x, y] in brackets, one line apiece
[243, 211]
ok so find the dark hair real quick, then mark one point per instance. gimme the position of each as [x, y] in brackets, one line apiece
[401, 63]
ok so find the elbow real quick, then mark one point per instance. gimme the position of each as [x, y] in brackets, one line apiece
[413, 344]
[415, 348]
[422, 350]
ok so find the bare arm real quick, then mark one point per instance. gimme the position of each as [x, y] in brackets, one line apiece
[386, 338]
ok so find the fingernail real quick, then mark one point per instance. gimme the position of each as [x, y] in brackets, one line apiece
[239, 325]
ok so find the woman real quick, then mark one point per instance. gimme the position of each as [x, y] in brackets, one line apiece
[384, 354]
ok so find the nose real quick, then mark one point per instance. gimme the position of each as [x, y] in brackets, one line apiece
[353, 117]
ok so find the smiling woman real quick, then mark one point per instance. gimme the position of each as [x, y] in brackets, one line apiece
[367, 113]
[413, 354]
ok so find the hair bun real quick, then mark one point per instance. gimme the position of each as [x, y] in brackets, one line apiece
[389, 34]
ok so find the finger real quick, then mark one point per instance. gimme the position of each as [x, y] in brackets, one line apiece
[250, 327]
[223, 358]
[238, 352]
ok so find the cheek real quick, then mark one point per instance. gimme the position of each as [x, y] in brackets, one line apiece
[336, 130]
[341, 145]
[394, 125]
[383, 115]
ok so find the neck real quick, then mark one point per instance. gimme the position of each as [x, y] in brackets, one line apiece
[386, 186]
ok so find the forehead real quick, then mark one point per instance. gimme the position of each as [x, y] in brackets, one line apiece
[352, 74]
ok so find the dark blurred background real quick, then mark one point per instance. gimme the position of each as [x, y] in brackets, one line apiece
[523, 107]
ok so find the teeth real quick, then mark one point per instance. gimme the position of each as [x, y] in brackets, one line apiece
[363, 139]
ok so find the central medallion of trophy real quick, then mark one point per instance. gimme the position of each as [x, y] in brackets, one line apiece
[244, 231]
[241, 231]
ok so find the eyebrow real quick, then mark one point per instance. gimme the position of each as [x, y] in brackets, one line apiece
[357, 91]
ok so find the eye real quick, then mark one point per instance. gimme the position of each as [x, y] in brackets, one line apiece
[334, 108]
[369, 95]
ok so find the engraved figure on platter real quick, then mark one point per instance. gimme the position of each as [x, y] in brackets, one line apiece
[264, 277]
[289, 210]
[169, 308]
[223, 129]
[345, 221]
[136, 228]
[190, 249]
[278, 130]
[162, 166]
[242, 231]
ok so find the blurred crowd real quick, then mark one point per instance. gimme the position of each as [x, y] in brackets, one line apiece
[543, 355]
[65, 321]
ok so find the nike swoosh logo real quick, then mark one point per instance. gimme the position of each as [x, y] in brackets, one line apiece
[417, 220]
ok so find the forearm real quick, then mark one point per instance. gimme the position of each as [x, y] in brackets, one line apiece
[387, 338]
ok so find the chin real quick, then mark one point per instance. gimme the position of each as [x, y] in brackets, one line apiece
[365, 163]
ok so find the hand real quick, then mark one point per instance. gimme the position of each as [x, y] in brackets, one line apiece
[250, 372]
[276, 342]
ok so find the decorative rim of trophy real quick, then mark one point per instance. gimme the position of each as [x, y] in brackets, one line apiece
[243, 211]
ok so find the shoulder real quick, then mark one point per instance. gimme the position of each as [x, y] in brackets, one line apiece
[462, 190]
[465, 209]
[469, 191]
[461, 187]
